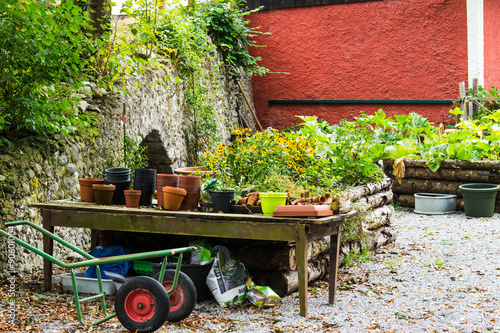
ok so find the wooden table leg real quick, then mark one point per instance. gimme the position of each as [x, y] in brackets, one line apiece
[334, 264]
[48, 247]
[94, 238]
[302, 255]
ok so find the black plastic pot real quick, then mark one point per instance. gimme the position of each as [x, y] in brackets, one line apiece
[117, 174]
[221, 201]
[145, 180]
[118, 195]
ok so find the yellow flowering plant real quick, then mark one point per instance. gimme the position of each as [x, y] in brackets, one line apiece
[315, 156]
[270, 160]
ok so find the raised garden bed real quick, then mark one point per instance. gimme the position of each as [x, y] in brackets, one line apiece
[446, 180]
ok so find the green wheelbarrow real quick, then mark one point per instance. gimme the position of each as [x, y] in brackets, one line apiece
[142, 303]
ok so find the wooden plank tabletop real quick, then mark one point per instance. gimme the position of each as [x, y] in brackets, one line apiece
[92, 207]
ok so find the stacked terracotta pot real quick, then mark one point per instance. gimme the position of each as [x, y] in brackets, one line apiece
[192, 184]
[162, 180]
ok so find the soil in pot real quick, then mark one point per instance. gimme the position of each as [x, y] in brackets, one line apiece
[173, 197]
[103, 193]
[132, 198]
[86, 190]
[221, 201]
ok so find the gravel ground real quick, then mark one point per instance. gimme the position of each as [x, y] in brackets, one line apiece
[441, 275]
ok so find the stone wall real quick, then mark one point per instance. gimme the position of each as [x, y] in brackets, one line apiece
[41, 169]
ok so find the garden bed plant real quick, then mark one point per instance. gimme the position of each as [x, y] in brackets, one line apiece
[325, 158]
[316, 156]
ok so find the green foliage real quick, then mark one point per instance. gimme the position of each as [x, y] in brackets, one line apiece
[269, 160]
[485, 107]
[231, 32]
[126, 49]
[133, 155]
[413, 136]
[181, 36]
[354, 258]
[40, 66]
[343, 155]
[202, 130]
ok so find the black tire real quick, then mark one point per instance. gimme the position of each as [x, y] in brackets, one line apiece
[131, 310]
[182, 298]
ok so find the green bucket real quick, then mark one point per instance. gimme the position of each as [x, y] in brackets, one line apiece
[479, 199]
[270, 200]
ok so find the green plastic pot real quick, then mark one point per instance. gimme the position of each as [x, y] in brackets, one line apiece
[479, 199]
[270, 200]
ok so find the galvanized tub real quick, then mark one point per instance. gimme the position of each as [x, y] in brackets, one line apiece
[435, 203]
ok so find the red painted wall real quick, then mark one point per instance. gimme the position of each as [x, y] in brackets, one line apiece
[491, 44]
[371, 50]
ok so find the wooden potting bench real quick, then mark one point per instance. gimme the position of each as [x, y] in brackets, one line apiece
[236, 226]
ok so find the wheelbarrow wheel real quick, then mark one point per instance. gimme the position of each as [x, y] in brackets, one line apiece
[182, 298]
[142, 304]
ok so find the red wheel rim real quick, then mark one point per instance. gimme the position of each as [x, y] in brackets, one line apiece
[140, 305]
[177, 296]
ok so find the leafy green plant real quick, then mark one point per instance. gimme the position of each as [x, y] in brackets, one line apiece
[393, 263]
[124, 49]
[412, 136]
[40, 66]
[343, 155]
[269, 160]
[353, 257]
[133, 155]
[231, 32]
[485, 107]
[436, 263]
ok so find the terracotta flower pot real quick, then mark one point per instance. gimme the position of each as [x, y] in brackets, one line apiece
[132, 198]
[103, 193]
[86, 191]
[192, 170]
[162, 180]
[192, 184]
[173, 197]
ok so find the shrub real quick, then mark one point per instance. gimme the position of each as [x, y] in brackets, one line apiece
[40, 66]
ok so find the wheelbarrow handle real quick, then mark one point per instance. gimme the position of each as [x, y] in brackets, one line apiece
[46, 233]
[91, 261]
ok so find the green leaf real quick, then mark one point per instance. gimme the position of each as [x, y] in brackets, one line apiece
[456, 111]
[434, 164]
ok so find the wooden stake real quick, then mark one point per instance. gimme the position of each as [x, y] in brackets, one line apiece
[475, 88]
[250, 106]
[461, 88]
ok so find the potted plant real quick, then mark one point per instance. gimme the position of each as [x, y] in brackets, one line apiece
[222, 192]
